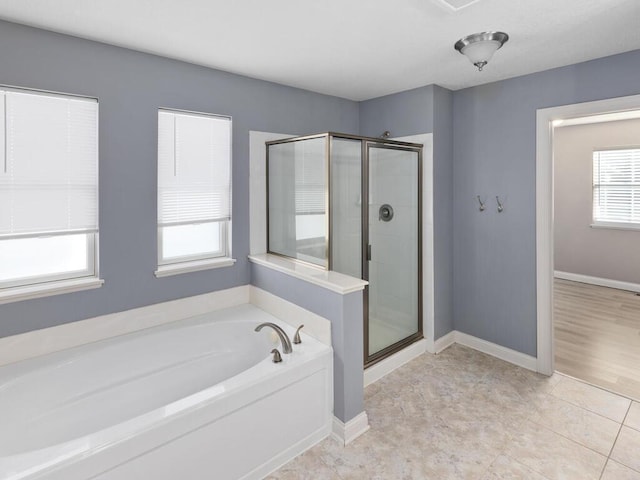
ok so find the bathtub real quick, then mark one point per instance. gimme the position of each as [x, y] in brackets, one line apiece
[194, 399]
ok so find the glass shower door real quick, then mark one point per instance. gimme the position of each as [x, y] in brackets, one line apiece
[392, 263]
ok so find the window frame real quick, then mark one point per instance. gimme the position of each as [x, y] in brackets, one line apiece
[223, 256]
[89, 272]
[25, 288]
[222, 252]
[609, 224]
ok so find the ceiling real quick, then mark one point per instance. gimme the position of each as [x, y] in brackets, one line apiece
[354, 49]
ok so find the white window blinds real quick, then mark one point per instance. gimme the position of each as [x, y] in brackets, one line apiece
[310, 182]
[616, 186]
[194, 168]
[49, 168]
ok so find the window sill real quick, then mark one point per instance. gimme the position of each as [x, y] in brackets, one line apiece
[28, 292]
[617, 226]
[194, 266]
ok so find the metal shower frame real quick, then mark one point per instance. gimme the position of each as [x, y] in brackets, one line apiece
[366, 144]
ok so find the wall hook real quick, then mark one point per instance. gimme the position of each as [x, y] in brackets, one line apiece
[500, 205]
[482, 206]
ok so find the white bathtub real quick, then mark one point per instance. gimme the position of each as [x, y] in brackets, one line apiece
[195, 399]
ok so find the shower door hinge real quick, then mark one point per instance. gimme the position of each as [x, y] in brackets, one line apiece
[368, 252]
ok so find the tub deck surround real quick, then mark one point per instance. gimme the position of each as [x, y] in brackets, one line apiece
[48, 340]
[342, 305]
[314, 325]
[203, 389]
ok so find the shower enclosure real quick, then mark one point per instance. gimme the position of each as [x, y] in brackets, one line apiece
[316, 214]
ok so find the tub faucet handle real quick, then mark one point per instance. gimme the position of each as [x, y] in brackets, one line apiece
[296, 337]
[277, 358]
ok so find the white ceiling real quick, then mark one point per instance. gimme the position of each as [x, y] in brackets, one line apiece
[356, 49]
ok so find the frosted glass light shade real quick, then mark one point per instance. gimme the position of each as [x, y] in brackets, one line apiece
[481, 52]
[480, 47]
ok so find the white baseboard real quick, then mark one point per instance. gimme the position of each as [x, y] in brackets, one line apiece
[389, 364]
[603, 282]
[444, 342]
[379, 370]
[503, 353]
[346, 433]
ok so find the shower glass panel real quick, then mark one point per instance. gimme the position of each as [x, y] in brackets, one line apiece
[352, 205]
[394, 239]
[346, 206]
[297, 200]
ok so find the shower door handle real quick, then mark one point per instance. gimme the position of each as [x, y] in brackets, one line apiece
[368, 252]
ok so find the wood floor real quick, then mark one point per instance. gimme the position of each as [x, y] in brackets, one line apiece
[597, 335]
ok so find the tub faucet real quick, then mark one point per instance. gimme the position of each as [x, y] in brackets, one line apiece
[284, 339]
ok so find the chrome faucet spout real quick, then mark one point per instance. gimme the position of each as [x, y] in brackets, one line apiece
[284, 338]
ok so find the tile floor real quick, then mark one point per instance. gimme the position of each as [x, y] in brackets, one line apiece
[466, 415]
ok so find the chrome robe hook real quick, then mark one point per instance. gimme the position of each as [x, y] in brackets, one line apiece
[482, 205]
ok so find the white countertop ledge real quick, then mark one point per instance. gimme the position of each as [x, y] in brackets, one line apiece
[334, 281]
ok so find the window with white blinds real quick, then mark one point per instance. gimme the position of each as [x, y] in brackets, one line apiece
[616, 187]
[48, 187]
[310, 182]
[194, 186]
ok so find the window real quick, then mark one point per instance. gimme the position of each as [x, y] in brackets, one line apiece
[310, 190]
[48, 191]
[616, 187]
[194, 191]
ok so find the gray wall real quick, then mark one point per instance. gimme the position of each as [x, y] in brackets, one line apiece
[425, 110]
[403, 114]
[345, 314]
[578, 248]
[494, 154]
[443, 211]
[492, 293]
[131, 86]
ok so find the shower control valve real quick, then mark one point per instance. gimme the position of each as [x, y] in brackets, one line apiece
[385, 213]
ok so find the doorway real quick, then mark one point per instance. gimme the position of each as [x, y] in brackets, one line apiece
[596, 256]
[547, 121]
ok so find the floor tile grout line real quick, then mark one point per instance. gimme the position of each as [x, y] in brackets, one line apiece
[571, 439]
[594, 386]
[566, 375]
[615, 441]
[604, 467]
[486, 470]
[587, 409]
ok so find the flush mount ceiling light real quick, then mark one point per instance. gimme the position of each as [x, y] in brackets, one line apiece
[455, 5]
[480, 47]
